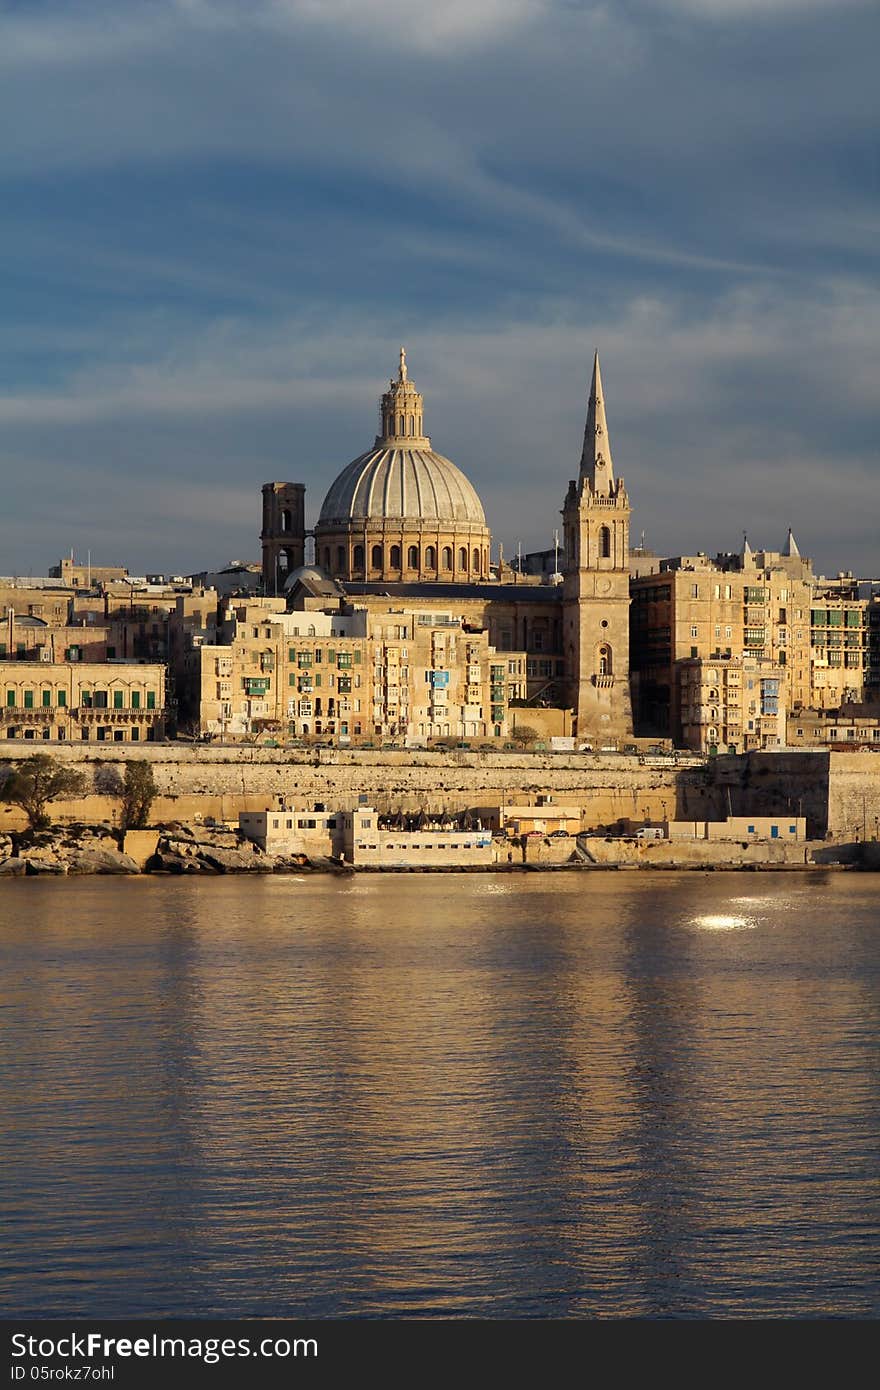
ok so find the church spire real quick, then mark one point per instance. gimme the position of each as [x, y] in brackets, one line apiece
[596, 465]
[791, 548]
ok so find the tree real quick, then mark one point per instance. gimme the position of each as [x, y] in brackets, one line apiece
[39, 780]
[524, 734]
[138, 794]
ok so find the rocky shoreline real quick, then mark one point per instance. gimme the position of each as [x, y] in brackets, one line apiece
[172, 849]
[178, 848]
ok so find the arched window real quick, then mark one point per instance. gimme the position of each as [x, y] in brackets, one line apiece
[400, 425]
[412, 557]
[326, 557]
[605, 543]
[476, 562]
[462, 559]
[412, 424]
[340, 557]
[286, 520]
[430, 558]
[395, 557]
[604, 661]
[376, 557]
[447, 557]
[359, 557]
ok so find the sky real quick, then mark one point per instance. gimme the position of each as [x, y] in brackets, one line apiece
[221, 219]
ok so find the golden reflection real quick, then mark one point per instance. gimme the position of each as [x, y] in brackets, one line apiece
[723, 922]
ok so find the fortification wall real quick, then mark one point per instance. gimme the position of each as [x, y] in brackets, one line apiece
[197, 782]
[839, 793]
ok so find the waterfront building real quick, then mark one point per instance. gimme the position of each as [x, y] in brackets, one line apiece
[367, 844]
[745, 829]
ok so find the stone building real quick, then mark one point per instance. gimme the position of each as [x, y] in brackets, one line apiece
[356, 678]
[732, 704]
[116, 702]
[763, 606]
[402, 527]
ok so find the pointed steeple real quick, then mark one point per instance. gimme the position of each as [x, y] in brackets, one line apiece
[596, 464]
[791, 548]
[747, 549]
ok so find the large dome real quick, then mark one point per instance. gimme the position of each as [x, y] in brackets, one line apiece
[400, 511]
[399, 482]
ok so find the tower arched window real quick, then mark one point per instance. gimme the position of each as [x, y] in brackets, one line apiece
[430, 557]
[462, 559]
[605, 664]
[412, 557]
[286, 520]
[476, 562]
[447, 557]
[412, 424]
[400, 425]
[340, 557]
[376, 557]
[359, 557]
[394, 560]
[326, 557]
[605, 543]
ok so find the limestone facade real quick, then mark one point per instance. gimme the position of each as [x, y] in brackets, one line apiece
[116, 702]
[765, 606]
[398, 675]
[732, 704]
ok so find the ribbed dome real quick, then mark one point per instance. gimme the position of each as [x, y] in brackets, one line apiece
[401, 482]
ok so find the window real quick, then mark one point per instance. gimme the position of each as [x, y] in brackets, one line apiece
[462, 558]
[430, 557]
[117, 699]
[340, 557]
[376, 557]
[10, 698]
[694, 630]
[47, 698]
[151, 699]
[412, 557]
[62, 699]
[605, 543]
[476, 561]
[28, 699]
[395, 557]
[695, 591]
[447, 557]
[359, 557]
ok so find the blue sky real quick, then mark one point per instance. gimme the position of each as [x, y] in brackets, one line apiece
[221, 219]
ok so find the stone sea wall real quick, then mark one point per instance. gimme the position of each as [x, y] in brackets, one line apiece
[203, 782]
[839, 793]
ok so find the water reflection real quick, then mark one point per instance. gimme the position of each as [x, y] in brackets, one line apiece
[589, 1095]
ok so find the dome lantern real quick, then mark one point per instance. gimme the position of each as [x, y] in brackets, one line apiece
[402, 412]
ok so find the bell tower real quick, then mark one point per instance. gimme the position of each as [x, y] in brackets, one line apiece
[596, 516]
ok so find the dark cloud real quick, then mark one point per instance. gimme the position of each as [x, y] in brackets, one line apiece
[220, 220]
